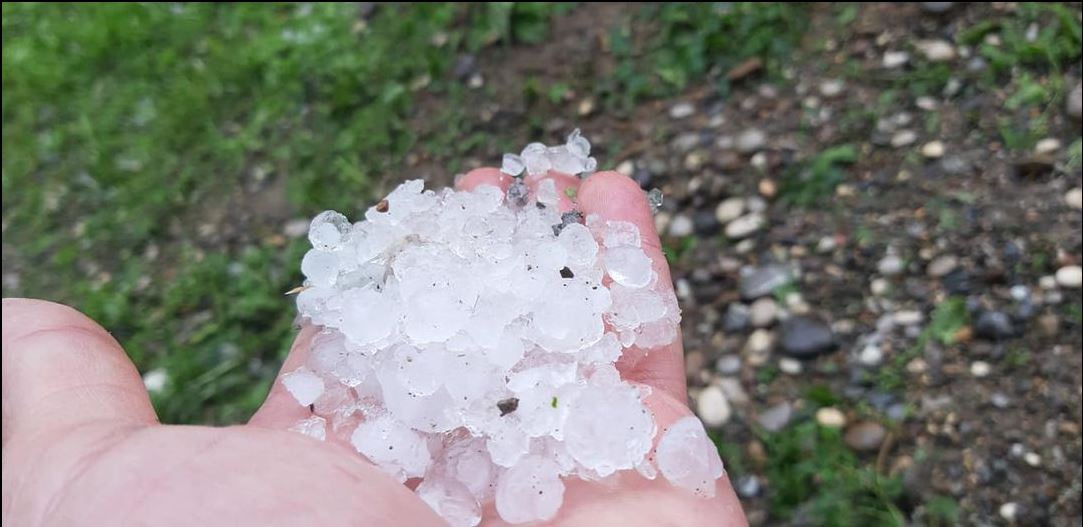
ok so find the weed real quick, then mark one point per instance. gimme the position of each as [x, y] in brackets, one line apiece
[810, 183]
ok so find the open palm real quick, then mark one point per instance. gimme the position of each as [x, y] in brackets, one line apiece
[82, 445]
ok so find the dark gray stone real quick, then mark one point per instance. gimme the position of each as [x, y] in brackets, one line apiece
[994, 325]
[805, 337]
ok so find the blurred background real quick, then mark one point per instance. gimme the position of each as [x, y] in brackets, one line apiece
[872, 211]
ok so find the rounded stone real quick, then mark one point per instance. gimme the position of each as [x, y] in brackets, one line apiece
[1070, 276]
[713, 407]
[830, 417]
[806, 336]
[762, 312]
[865, 436]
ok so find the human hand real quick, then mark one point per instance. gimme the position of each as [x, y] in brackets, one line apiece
[82, 444]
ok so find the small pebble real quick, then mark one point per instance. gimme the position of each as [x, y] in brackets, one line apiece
[760, 341]
[749, 486]
[903, 138]
[865, 436]
[750, 140]
[830, 417]
[826, 244]
[879, 286]
[1009, 511]
[1070, 276]
[790, 366]
[936, 50]
[682, 110]
[895, 59]
[942, 265]
[744, 226]
[890, 265]
[767, 187]
[1047, 146]
[871, 355]
[681, 226]
[776, 417]
[980, 369]
[1074, 198]
[1032, 459]
[999, 400]
[729, 210]
[933, 150]
[762, 312]
[908, 317]
[831, 88]
[712, 407]
[1073, 104]
[729, 365]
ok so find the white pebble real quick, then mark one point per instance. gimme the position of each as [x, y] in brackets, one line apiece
[830, 417]
[713, 407]
[745, 225]
[790, 366]
[1070, 276]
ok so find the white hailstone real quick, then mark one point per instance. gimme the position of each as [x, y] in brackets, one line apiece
[530, 491]
[547, 193]
[314, 427]
[628, 266]
[535, 158]
[320, 267]
[451, 500]
[609, 429]
[328, 230]
[579, 244]
[303, 385]
[578, 145]
[688, 458]
[512, 165]
[468, 462]
[392, 446]
[470, 339]
[616, 233]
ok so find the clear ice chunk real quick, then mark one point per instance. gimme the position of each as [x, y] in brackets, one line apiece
[628, 266]
[512, 165]
[328, 230]
[304, 385]
[470, 339]
[530, 491]
[451, 500]
[314, 427]
[688, 459]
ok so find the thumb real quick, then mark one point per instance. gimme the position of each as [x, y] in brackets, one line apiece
[61, 369]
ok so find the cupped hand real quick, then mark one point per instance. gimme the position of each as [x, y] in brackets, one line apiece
[82, 445]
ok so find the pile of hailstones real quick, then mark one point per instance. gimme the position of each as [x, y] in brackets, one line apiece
[469, 339]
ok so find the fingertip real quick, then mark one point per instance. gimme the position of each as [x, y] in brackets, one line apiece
[24, 316]
[62, 368]
[615, 196]
[483, 176]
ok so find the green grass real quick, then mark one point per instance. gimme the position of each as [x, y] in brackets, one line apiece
[946, 320]
[814, 476]
[813, 182]
[130, 130]
[125, 125]
[688, 41]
